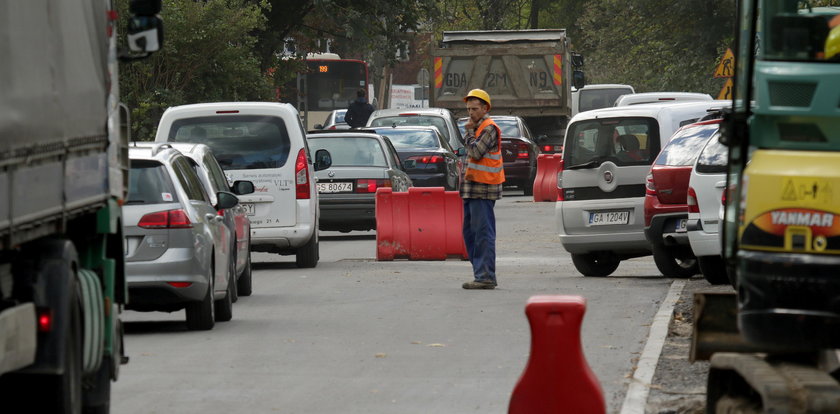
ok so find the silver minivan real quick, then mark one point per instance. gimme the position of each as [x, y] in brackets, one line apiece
[607, 154]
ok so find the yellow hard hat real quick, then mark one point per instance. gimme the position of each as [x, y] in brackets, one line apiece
[832, 43]
[480, 94]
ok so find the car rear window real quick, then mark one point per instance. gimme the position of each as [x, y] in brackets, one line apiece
[413, 120]
[624, 141]
[509, 127]
[351, 151]
[684, 146]
[149, 183]
[713, 159]
[242, 142]
[405, 139]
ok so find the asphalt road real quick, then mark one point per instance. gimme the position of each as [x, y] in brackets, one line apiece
[358, 336]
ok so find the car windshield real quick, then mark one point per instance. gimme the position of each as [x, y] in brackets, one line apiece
[339, 117]
[684, 146]
[406, 138]
[238, 142]
[149, 183]
[713, 159]
[350, 151]
[413, 120]
[624, 141]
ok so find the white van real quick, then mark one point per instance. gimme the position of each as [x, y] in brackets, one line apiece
[264, 143]
[607, 154]
[660, 97]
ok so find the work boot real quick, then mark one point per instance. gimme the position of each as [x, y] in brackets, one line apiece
[478, 284]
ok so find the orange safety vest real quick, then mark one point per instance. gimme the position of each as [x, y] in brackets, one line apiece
[488, 169]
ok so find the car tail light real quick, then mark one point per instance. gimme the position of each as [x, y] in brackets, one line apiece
[428, 159]
[301, 176]
[45, 319]
[691, 201]
[547, 148]
[332, 127]
[650, 186]
[179, 284]
[560, 195]
[523, 152]
[370, 186]
[169, 219]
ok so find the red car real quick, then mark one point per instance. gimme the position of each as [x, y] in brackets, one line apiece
[666, 209]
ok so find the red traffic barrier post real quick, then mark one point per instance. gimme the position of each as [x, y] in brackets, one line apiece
[545, 183]
[538, 179]
[392, 237]
[454, 225]
[557, 378]
[427, 211]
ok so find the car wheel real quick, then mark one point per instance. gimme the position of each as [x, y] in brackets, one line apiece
[675, 261]
[201, 316]
[243, 284]
[713, 269]
[232, 272]
[528, 185]
[307, 255]
[224, 306]
[598, 264]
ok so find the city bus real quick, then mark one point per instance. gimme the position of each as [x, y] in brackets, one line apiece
[330, 83]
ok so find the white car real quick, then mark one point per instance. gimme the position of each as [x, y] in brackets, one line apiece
[705, 209]
[265, 143]
[660, 97]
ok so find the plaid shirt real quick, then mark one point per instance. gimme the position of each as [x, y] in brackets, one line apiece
[476, 148]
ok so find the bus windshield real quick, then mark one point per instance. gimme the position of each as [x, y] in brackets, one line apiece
[330, 84]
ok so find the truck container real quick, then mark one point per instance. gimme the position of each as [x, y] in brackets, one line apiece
[63, 171]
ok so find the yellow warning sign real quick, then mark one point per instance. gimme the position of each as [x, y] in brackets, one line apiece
[726, 91]
[726, 67]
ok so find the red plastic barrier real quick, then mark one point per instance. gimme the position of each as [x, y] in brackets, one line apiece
[545, 183]
[557, 378]
[421, 224]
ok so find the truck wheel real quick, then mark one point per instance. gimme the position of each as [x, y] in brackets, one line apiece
[598, 264]
[307, 255]
[97, 399]
[201, 315]
[67, 388]
[224, 306]
[713, 269]
[675, 261]
[737, 405]
[243, 284]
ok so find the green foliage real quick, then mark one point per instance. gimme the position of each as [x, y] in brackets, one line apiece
[207, 57]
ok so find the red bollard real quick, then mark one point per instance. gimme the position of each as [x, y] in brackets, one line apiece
[545, 184]
[392, 235]
[427, 211]
[557, 378]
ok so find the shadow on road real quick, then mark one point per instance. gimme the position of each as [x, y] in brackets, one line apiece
[349, 237]
[273, 265]
[145, 327]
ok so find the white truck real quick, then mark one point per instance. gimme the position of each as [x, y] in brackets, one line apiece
[598, 96]
[63, 172]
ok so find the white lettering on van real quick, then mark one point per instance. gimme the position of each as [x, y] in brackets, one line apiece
[799, 218]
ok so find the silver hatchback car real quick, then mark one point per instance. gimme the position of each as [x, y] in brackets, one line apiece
[175, 254]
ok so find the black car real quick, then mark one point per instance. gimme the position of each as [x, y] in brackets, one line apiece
[426, 156]
[519, 151]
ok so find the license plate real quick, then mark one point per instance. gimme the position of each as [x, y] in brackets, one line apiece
[345, 187]
[681, 225]
[605, 218]
[250, 209]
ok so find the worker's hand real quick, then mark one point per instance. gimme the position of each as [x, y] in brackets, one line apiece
[470, 126]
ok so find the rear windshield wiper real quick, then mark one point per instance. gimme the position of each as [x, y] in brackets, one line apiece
[589, 164]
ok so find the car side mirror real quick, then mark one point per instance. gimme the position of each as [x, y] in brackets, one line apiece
[226, 200]
[318, 126]
[242, 187]
[461, 151]
[577, 60]
[323, 160]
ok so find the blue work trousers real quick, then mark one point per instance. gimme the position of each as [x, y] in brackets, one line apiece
[480, 237]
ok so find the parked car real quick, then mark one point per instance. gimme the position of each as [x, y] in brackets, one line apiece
[236, 218]
[335, 120]
[426, 156]
[361, 163]
[706, 192]
[607, 154]
[666, 211]
[660, 97]
[176, 246]
[437, 117]
[519, 151]
[264, 143]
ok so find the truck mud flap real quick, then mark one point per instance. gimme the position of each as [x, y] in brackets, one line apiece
[18, 344]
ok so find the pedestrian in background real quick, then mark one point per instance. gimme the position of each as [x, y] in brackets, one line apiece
[481, 187]
[359, 111]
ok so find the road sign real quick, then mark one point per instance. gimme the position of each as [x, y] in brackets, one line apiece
[423, 77]
[726, 67]
[726, 91]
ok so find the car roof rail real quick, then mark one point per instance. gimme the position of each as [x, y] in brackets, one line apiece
[160, 147]
[342, 131]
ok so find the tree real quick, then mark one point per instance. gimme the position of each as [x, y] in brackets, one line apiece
[207, 57]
